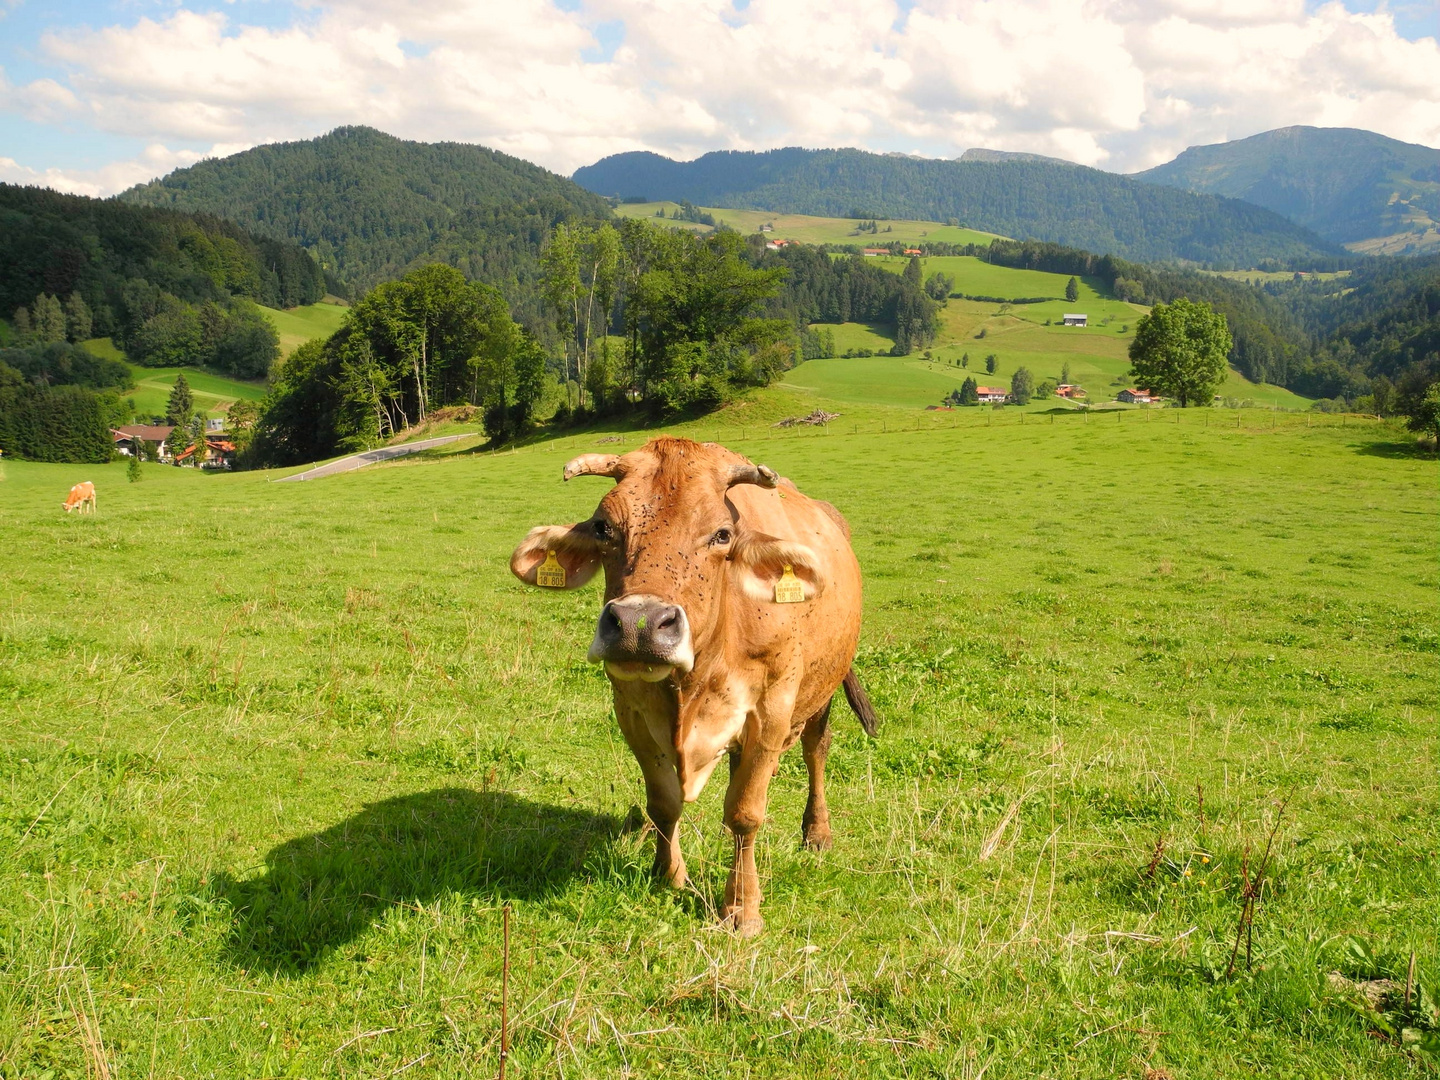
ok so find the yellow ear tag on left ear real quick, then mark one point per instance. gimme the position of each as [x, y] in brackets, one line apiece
[789, 589]
[550, 575]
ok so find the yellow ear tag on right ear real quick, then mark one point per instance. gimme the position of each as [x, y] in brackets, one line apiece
[789, 589]
[550, 575]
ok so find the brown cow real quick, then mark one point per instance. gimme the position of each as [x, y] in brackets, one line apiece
[731, 616]
[82, 496]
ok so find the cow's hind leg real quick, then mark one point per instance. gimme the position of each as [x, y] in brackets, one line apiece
[815, 742]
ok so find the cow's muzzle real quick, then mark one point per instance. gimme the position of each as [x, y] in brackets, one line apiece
[642, 637]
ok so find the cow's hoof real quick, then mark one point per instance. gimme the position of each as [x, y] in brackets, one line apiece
[817, 838]
[741, 926]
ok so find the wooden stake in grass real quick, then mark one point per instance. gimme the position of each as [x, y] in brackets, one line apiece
[505, 992]
[1250, 894]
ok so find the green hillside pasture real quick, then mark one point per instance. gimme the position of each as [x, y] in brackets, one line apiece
[1260, 277]
[212, 393]
[851, 337]
[807, 229]
[976, 277]
[298, 325]
[264, 806]
[1098, 355]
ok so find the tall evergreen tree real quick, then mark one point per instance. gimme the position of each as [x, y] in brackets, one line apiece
[1072, 290]
[78, 318]
[181, 403]
[969, 391]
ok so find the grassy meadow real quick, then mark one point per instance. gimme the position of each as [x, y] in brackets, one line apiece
[809, 229]
[298, 325]
[212, 393]
[266, 796]
[1019, 335]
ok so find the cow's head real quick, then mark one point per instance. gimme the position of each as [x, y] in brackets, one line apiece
[674, 550]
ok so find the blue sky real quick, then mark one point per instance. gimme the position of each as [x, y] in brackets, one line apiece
[97, 94]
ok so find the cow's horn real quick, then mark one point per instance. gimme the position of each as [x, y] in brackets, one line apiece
[753, 474]
[594, 465]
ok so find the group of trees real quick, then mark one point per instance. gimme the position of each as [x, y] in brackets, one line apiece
[58, 402]
[428, 340]
[820, 289]
[686, 309]
[169, 287]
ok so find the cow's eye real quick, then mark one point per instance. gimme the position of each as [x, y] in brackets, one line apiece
[722, 536]
[602, 529]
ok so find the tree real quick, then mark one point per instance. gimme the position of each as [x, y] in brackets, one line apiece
[1072, 290]
[47, 320]
[1022, 386]
[1425, 414]
[180, 404]
[1045, 389]
[990, 363]
[1065, 373]
[246, 343]
[132, 468]
[965, 360]
[1179, 351]
[969, 391]
[78, 319]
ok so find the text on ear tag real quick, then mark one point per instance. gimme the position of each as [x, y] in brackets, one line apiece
[550, 574]
[789, 589]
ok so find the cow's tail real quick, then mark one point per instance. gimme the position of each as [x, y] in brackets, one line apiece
[860, 704]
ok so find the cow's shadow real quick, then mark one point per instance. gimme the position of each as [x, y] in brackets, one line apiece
[320, 891]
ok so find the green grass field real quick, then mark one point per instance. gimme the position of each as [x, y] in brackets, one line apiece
[266, 796]
[298, 325]
[808, 229]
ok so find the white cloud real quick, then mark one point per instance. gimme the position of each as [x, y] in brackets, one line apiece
[155, 160]
[1118, 83]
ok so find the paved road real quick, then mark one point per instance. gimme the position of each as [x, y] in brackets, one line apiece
[359, 461]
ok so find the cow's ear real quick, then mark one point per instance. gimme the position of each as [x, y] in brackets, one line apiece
[761, 559]
[571, 549]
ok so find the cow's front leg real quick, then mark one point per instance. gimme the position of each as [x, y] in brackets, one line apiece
[664, 800]
[663, 805]
[750, 776]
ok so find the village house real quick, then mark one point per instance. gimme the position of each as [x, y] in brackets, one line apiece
[1136, 397]
[913, 251]
[127, 437]
[219, 454]
[992, 395]
[870, 252]
[1075, 319]
[776, 245]
[1070, 390]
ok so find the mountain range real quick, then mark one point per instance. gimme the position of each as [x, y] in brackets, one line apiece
[1374, 194]
[1023, 198]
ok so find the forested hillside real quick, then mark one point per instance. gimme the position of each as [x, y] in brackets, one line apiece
[371, 207]
[170, 287]
[1065, 204]
[1346, 184]
[1379, 336]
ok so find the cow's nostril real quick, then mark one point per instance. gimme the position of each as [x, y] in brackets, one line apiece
[667, 621]
[609, 620]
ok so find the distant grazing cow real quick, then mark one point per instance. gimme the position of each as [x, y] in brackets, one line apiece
[82, 496]
[731, 617]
